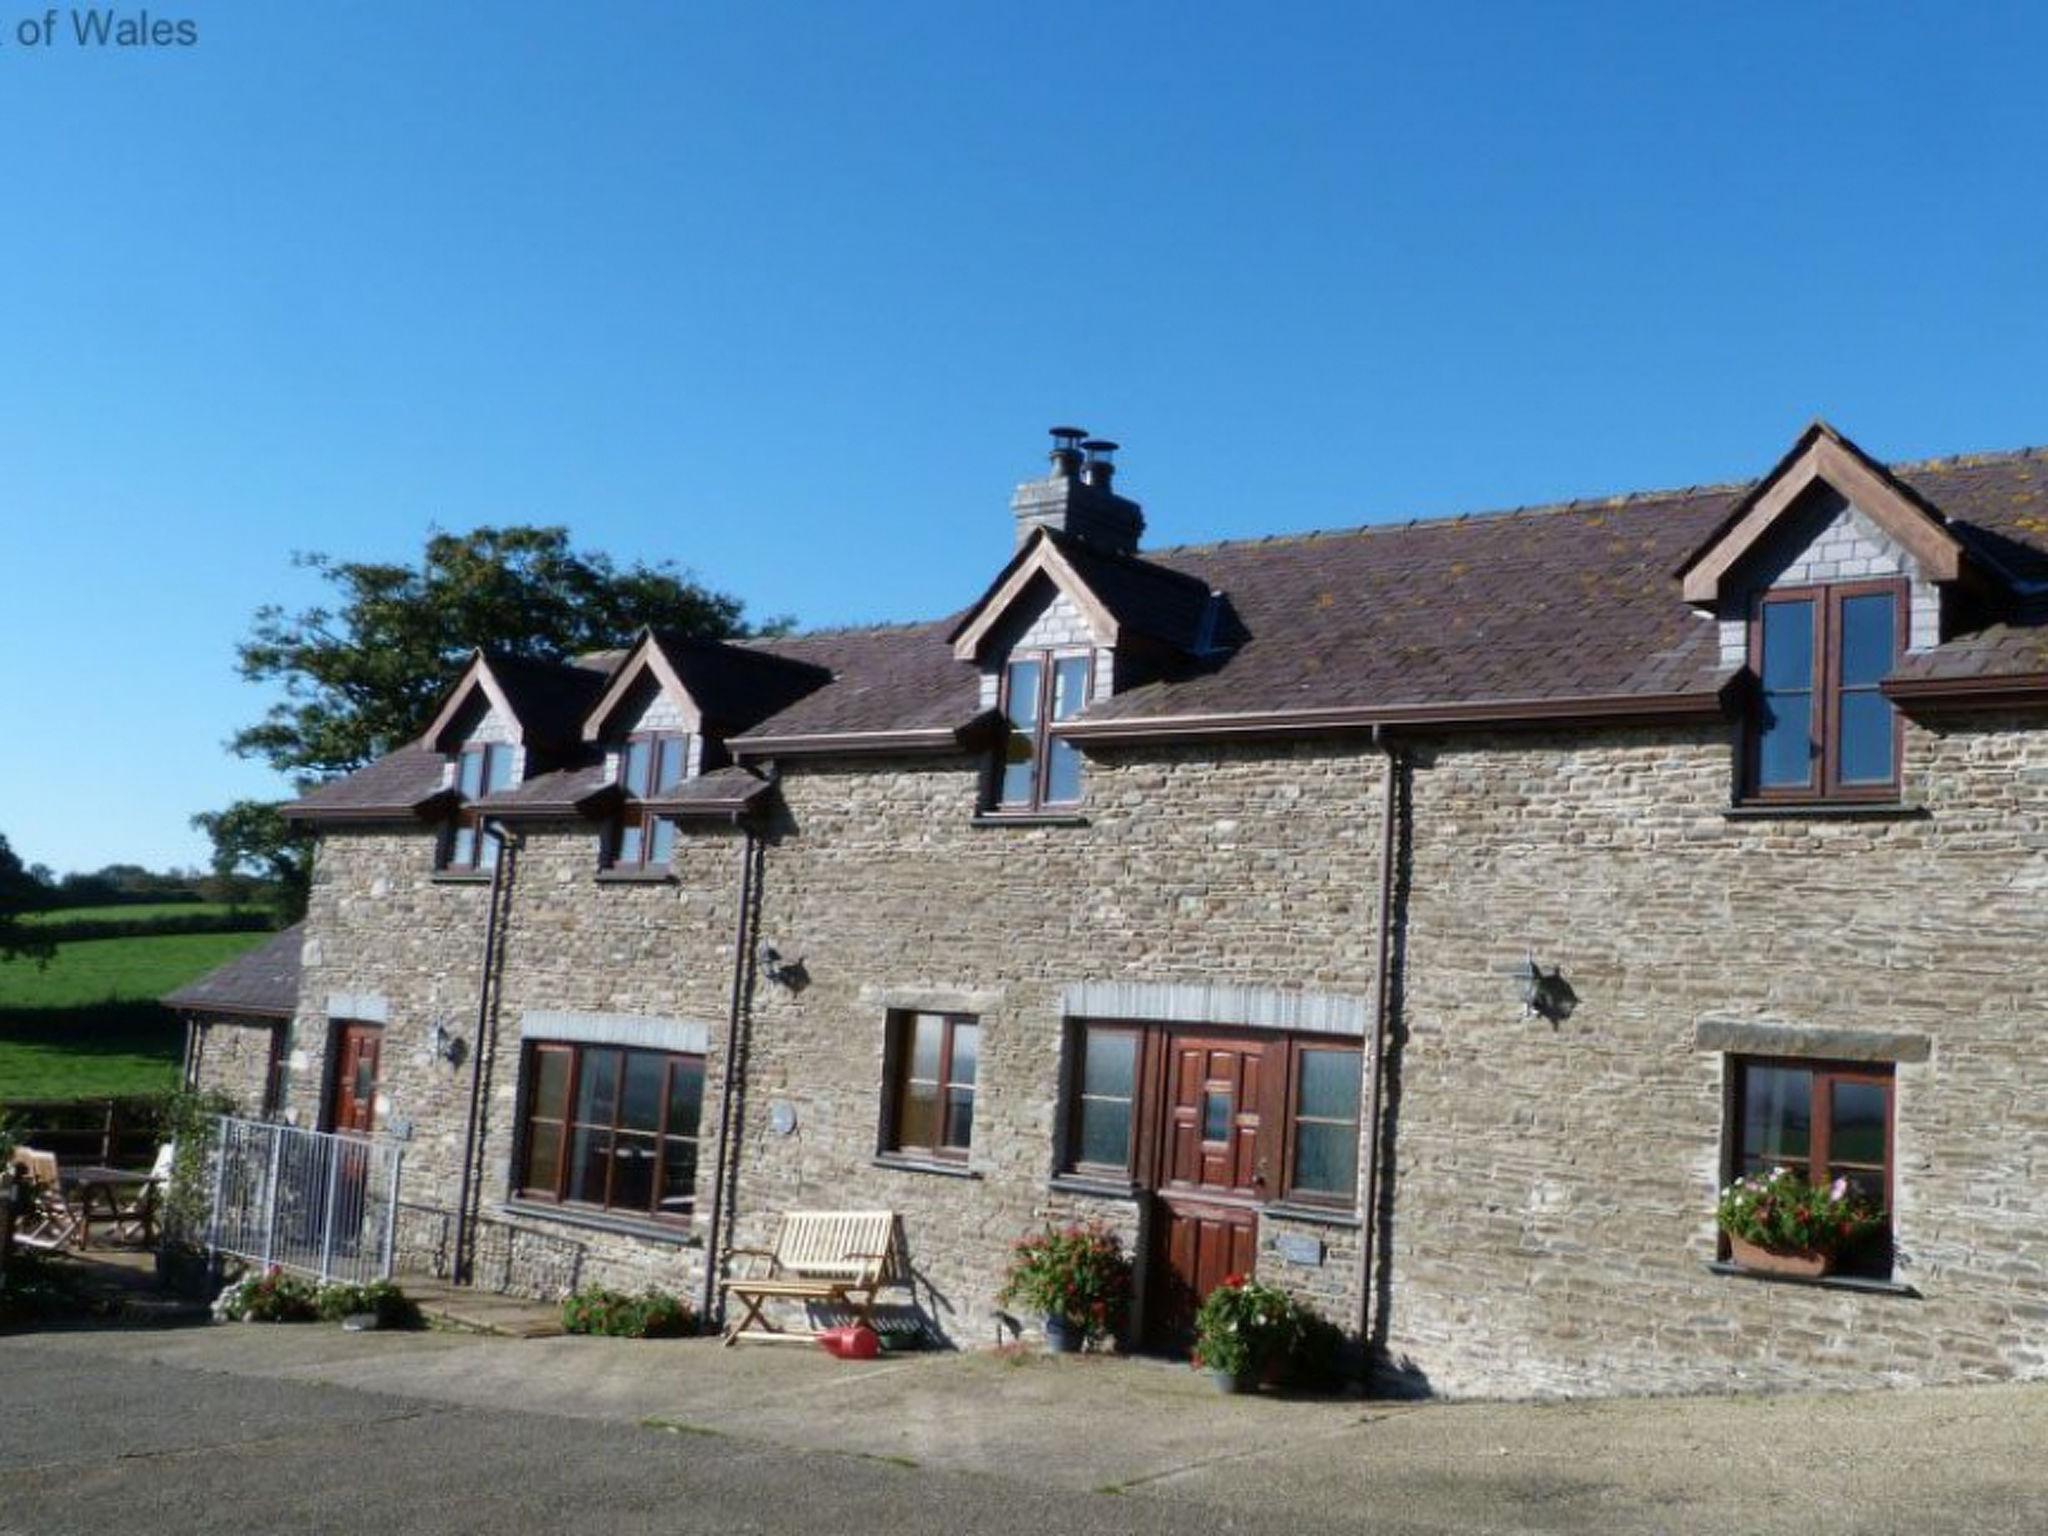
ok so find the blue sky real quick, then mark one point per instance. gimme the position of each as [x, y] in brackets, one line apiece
[789, 294]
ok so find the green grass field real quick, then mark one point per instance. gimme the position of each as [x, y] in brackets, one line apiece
[88, 1024]
[119, 913]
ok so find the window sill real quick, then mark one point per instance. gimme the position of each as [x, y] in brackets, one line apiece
[925, 1165]
[1860, 1283]
[635, 877]
[597, 1221]
[1030, 819]
[461, 877]
[1322, 1215]
[1827, 810]
[1101, 1189]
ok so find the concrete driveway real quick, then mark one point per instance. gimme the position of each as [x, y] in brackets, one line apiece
[290, 1429]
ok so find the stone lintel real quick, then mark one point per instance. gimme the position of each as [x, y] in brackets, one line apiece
[686, 1036]
[1174, 1002]
[365, 1007]
[1749, 1039]
[919, 999]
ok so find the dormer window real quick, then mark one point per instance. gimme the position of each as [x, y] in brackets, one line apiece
[481, 769]
[1819, 727]
[1038, 770]
[651, 763]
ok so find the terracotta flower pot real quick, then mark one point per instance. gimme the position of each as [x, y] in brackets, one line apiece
[1802, 1263]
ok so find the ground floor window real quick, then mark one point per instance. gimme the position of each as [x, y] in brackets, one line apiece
[610, 1128]
[933, 1063]
[1823, 1121]
[1266, 1116]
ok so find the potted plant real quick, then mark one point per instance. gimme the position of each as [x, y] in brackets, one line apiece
[1778, 1224]
[1246, 1332]
[1077, 1279]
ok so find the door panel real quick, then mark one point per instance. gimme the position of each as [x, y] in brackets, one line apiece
[358, 1048]
[1216, 1117]
[1218, 1146]
[1196, 1247]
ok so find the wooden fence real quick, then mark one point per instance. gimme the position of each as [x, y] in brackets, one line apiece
[110, 1133]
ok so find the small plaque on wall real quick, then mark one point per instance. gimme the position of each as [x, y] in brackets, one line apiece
[1299, 1248]
[782, 1117]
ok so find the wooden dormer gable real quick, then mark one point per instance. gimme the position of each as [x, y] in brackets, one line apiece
[709, 688]
[1821, 461]
[1039, 563]
[646, 673]
[479, 693]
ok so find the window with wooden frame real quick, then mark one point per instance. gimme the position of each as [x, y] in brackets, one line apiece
[650, 764]
[1823, 1121]
[1039, 771]
[1819, 728]
[934, 1060]
[480, 770]
[609, 1128]
[1116, 1087]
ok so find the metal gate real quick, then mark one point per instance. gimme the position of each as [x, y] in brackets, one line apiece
[315, 1202]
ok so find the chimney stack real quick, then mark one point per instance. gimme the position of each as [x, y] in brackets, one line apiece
[1076, 498]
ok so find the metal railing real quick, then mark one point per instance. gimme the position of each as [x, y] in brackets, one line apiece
[316, 1202]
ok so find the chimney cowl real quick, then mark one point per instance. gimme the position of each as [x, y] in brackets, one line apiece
[1076, 499]
[1066, 451]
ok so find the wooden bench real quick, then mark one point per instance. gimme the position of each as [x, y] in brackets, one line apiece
[829, 1258]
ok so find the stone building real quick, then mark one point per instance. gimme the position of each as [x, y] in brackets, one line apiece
[1432, 918]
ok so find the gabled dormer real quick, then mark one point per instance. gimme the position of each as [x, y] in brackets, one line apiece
[1823, 577]
[507, 721]
[662, 723]
[1075, 617]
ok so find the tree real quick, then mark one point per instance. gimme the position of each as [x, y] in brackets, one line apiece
[21, 891]
[364, 676]
[252, 840]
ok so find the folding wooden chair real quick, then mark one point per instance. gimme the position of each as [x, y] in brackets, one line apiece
[44, 1218]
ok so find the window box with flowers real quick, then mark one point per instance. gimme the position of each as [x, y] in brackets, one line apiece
[1077, 1279]
[1778, 1224]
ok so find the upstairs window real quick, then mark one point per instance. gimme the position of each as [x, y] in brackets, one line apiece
[1820, 729]
[479, 771]
[1038, 770]
[650, 765]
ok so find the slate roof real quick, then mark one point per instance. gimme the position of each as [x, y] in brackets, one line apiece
[890, 679]
[263, 982]
[550, 698]
[720, 791]
[399, 783]
[1542, 612]
[735, 683]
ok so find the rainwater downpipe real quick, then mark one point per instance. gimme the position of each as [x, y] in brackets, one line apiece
[742, 951]
[486, 990]
[1376, 1059]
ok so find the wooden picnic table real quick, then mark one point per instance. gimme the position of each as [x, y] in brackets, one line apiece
[100, 1192]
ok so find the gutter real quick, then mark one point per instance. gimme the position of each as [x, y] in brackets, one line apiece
[1274, 724]
[461, 1268]
[724, 1154]
[1376, 1058]
[1929, 694]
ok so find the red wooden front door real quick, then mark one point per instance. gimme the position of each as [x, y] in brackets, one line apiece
[357, 1048]
[1215, 1164]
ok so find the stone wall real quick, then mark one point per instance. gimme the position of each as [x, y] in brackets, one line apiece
[1554, 1186]
[1551, 1187]
[234, 1058]
[387, 936]
[1246, 866]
